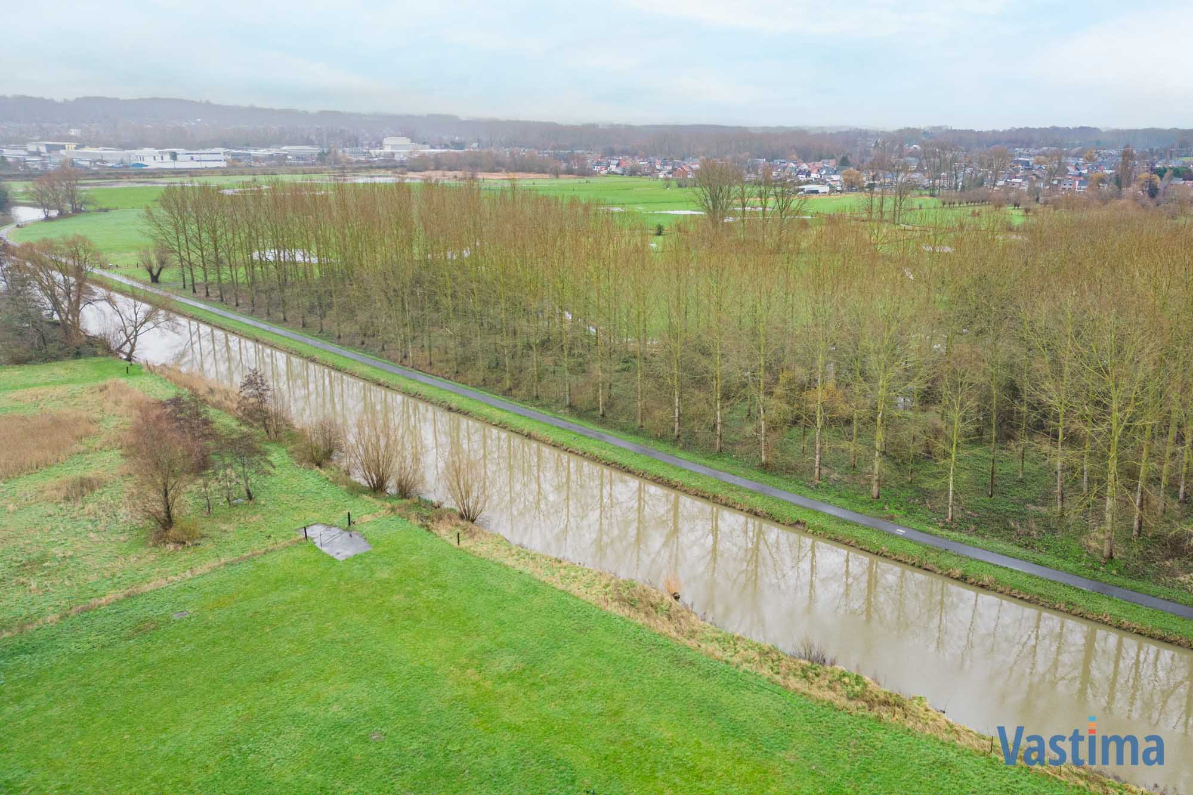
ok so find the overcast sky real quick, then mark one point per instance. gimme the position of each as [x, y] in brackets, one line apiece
[962, 63]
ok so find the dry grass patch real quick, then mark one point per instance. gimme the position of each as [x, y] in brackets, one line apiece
[213, 394]
[33, 441]
[120, 398]
[75, 489]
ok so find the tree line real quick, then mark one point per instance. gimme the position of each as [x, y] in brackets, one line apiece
[835, 349]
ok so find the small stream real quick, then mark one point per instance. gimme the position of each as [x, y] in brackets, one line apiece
[985, 659]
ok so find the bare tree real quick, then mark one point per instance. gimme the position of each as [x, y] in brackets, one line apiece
[242, 453]
[467, 483]
[153, 261]
[66, 178]
[130, 320]
[162, 462]
[61, 272]
[259, 405]
[373, 449]
[408, 466]
[716, 182]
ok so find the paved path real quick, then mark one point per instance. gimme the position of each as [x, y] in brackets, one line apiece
[965, 550]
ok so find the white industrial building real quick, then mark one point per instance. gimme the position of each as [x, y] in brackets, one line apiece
[399, 147]
[400, 144]
[102, 157]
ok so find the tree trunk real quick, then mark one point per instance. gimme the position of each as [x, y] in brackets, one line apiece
[1166, 466]
[638, 376]
[1085, 467]
[1137, 525]
[817, 455]
[1108, 542]
[1182, 495]
[1060, 464]
[853, 443]
[993, 440]
[675, 407]
[762, 430]
[878, 442]
[953, 459]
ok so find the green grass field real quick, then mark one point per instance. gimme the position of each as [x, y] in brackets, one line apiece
[414, 667]
[56, 554]
[640, 201]
[418, 668]
[119, 234]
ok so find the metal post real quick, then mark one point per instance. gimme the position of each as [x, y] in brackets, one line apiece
[304, 533]
[349, 518]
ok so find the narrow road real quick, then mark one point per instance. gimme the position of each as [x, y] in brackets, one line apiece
[956, 547]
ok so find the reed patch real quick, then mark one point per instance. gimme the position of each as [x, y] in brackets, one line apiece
[34, 441]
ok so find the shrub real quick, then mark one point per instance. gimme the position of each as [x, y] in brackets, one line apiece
[75, 489]
[184, 532]
[467, 484]
[672, 586]
[408, 468]
[811, 650]
[373, 449]
[320, 441]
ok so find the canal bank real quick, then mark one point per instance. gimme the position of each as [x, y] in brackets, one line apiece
[1000, 571]
[984, 659]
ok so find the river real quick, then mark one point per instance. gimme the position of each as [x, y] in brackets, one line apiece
[985, 659]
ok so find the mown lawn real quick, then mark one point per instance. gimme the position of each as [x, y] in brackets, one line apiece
[418, 667]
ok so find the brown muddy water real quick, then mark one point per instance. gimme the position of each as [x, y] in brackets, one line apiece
[985, 659]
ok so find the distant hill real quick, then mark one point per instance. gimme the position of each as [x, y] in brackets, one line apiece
[163, 121]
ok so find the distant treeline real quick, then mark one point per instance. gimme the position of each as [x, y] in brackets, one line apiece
[179, 122]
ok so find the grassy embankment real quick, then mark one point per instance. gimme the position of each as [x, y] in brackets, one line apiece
[1107, 610]
[417, 665]
[58, 552]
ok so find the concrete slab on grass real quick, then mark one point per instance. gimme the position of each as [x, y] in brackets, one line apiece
[335, 541]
